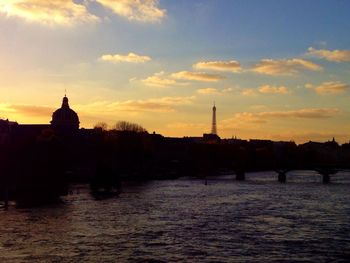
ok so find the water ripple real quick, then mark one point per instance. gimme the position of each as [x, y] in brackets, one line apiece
[186, 221]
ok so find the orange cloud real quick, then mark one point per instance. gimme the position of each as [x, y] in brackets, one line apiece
[33, 110]
[248, 117]
[231, 66]
[69, 12]
[157, 81]
[262, 117]
[137, 10]
[249, 92]
[160, 80]
[284, 66]
[331, 55]
[197, 76]
[207, 91]
[251, 122]
[308, 113]
[27, 110]
[265, 89]
[49, 12]
[330, 87]
[130, 58]
[164, 104]
[268, 89]
[143, 105]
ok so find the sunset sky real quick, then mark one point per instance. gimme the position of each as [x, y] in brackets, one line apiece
[276, 69]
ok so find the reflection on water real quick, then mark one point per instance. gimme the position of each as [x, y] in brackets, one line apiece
[258, 220]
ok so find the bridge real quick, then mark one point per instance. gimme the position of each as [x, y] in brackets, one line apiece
[325, 172]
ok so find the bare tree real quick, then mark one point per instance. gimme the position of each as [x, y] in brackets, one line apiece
[129, 126]
[101, 125]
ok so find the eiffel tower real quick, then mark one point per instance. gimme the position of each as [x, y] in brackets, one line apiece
[213, 124]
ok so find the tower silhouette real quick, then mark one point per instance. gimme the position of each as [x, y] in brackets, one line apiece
[213, 124]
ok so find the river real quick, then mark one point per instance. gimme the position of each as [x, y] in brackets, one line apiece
[184, 220]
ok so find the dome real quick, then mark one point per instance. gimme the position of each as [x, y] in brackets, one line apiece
[65, 118]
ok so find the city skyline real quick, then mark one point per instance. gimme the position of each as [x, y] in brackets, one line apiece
[276, 71]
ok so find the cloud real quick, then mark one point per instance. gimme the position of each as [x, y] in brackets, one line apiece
[249, 92]
[142, 106]
[331, 55]
[265, 89]
[331, 87]
[69, 12]
[254, 121]
[284, 66]
[161, 80]
[130, 58]
[308, 113]
[211, 91]
[33, 110]
[227, 90]
[207, 91]
[198, 76]
[27, 110]
[231, 66]
[48, 12]
[164, 104]
[158, 81]
[246, 117]
[136, 10]
[268, 89]
[262, 117]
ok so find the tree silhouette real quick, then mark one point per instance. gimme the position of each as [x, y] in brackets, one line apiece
[101, 125]
[129, 126]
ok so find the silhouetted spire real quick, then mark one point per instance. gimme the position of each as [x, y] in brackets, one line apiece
[65, 102]
[213, 125]
[65, 118]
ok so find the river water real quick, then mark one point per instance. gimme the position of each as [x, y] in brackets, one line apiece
[184, 220]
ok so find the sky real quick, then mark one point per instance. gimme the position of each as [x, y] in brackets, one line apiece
[276, 70]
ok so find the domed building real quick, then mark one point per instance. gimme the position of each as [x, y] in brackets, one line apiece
[64, 118]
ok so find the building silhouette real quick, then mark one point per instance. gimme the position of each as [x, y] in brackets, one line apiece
[64, 118]
[212, 137]
[64, 121]
[213, 124]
